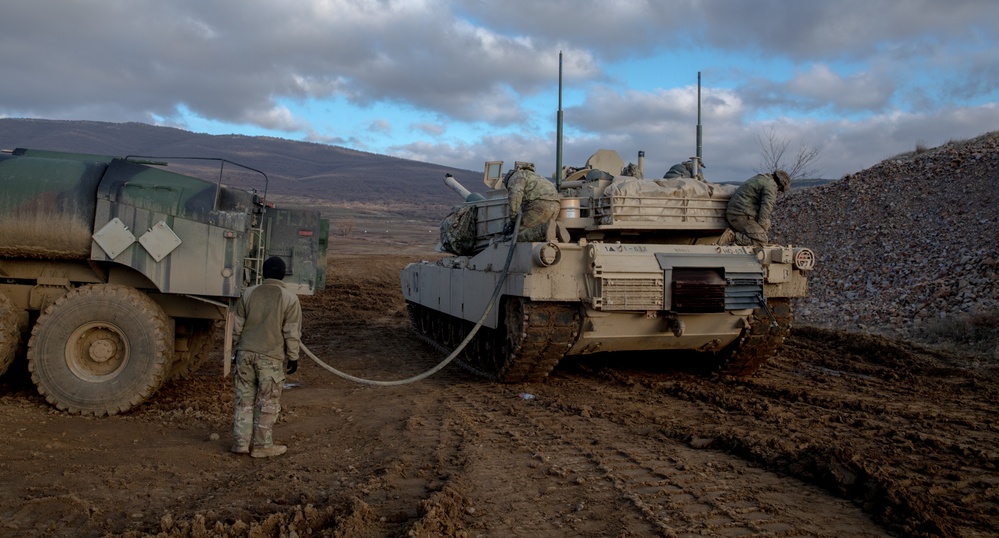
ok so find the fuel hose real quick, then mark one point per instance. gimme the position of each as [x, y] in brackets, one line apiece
[454, 354]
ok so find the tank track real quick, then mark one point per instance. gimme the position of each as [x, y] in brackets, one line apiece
[760, 341]
[532, 339]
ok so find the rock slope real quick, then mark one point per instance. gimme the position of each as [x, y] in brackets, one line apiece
[910, 240]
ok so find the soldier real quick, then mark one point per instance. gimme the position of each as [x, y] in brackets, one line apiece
[266, 338]
[537, 198]
[750, 208]
[684, 170]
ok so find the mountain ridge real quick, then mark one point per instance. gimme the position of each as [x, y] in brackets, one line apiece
[332, 173]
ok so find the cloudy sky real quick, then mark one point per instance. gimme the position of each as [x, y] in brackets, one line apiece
[464, 81]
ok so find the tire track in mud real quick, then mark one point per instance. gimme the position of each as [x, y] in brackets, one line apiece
[896, 429]
[665, 488]
[544, 490]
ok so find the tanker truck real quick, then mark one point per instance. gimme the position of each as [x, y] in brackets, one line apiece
[116, 274]
[633, 265]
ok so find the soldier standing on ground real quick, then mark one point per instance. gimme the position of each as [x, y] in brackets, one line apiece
[537, 198]
[751, 206]
[266, 337]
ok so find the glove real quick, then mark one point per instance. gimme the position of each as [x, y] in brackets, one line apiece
[508, 229]
[292, 367]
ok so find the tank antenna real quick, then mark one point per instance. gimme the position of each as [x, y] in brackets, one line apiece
[700, 158]
[558, 128]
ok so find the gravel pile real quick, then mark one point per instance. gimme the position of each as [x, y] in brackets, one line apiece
[908, 241]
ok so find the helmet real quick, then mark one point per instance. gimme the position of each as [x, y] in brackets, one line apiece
[783, 180]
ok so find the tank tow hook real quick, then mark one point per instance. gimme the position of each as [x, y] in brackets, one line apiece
[675, 325]
[766, 308]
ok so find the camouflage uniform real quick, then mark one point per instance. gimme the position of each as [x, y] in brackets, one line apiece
[458, 231]
[267, 333]
[750, 208]
[683, 170]
[537, 198]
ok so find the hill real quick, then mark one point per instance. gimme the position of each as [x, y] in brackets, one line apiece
[906, 245]
[317, 172]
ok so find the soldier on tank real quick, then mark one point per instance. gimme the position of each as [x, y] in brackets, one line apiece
[684, 170]
[538, 201]
[751, 206]
[266, 337]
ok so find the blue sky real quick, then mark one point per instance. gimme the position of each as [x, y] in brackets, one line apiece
[461, 82]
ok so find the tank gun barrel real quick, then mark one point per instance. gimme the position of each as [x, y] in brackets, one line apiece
[465, 194]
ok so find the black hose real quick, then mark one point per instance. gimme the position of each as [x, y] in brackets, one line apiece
[454, 354]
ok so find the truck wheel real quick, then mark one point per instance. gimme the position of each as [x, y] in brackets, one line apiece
[100, 350]
[9, 332]
[197, 337]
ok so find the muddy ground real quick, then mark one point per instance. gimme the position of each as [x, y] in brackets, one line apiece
[840, 435]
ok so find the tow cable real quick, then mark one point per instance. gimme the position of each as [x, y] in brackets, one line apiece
[455, 353]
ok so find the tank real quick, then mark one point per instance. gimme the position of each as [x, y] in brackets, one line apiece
[636, 265]
[119, 273]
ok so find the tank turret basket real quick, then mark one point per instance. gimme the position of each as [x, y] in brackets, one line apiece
[672, 203]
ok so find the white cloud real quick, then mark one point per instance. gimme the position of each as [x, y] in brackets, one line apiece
[861, 91]
[380, 126]
[909, 73]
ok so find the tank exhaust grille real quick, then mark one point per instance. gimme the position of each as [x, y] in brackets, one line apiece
[631, 294]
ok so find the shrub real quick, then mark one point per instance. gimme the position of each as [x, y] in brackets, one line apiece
[977, 332]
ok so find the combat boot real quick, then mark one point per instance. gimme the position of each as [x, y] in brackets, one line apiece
[268, 451]
[551, 231]
[240, 448]
[562, 233]
[727, 237]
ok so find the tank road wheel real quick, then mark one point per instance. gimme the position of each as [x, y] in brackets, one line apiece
[10, 333]
[484, 355]
[760, 341]
[100, 350]
[515, 327]
[422, 319]
[192, 344]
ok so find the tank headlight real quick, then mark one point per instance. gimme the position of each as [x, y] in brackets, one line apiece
[546, 254]
[804, 259]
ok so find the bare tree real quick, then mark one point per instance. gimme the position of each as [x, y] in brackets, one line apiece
[774, 156]
[345, 226]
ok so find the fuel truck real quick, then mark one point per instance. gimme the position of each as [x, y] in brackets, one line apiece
[635, 265]
[117, 273]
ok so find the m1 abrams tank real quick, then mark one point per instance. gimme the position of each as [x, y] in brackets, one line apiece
[636, 265]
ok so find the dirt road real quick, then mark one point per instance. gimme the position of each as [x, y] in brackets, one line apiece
[841, 435]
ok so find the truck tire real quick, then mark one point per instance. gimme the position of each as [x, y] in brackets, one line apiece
[10, 333]
[198, 336]
[100, 350]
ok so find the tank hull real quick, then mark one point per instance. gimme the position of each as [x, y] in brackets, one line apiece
[607, 298]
